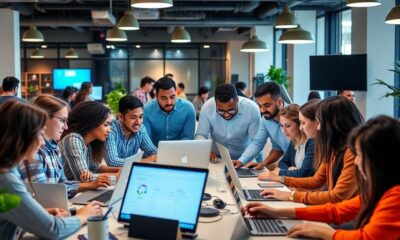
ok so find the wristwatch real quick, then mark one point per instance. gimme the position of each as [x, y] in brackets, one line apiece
[291, 195]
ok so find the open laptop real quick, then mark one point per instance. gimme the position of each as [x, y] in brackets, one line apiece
[190, 153]
[42, 191]
[232, 178]
[162, 191]
[262, 226]
[111, 196]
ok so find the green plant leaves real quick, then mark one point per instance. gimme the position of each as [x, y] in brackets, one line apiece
[114, 96]
[395, 92]
[8, 201]
[278, 75]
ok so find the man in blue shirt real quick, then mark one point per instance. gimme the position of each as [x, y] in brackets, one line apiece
[128, 134]
[269, 99]
[231, 120]
[168, 117]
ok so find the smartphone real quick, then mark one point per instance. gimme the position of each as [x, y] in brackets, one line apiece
[270, 185]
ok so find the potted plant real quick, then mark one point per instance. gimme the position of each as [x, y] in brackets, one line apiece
[394, 91]
[278, 75]
[8, 201]
[114, 96]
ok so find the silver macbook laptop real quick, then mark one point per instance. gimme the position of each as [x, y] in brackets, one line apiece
[232, 178]
[261, 226]
[168, 192]
[42, 191]
[191, 153]
[111, 196]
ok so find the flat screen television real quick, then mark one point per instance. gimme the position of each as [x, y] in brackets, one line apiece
[63, 77]
[97, 93]
[338, 72]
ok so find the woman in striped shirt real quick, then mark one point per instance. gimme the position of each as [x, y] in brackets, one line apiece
[83, 148]
[21, 137]
[48, 167]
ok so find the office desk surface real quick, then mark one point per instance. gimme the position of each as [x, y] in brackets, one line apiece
[223, 229]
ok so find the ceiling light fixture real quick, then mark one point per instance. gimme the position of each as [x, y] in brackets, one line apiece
[32, 35]
[286, 20]
[71, 53]
[151, 3]
[393, 16]
[254, 44]
[363, 3]
[128, 22]
[37, 54]
[180, 35]
[116, 35]
[296, 36]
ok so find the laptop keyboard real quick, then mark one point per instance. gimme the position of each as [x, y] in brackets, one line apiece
[104, 197]
[244, 172]
[269, 225]
[254, 193]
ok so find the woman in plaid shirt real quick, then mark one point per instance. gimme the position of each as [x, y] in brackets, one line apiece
[48, 167]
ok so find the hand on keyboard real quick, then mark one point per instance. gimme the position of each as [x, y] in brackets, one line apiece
[277, 194]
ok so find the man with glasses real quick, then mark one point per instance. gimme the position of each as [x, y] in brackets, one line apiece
[269, 99]
[168, 117]
[231, 120]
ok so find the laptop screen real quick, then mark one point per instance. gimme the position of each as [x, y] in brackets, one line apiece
[164, 192]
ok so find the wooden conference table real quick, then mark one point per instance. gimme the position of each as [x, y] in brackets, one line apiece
[226, 228]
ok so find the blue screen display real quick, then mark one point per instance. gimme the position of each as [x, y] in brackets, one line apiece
[70, 77]
[97, 93]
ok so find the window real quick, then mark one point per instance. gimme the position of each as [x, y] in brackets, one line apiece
[345, 32]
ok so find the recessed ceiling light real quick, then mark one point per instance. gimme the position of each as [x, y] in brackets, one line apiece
[206, 46]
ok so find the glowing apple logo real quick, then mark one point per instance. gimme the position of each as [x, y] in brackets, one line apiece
[184, 159]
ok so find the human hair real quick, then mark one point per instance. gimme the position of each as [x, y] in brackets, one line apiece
[203, 90]
[337, 116]
[164, 83]
[68, 92]
[379, 140]
[85, 117]
[313, 95]
[181, 85]
[83, 92]
[169, 75]
[339, 92]
[309, 109]
[50, 104]
[21, 124]
[10, 83]
[225, 92]
[240, 85]
[127, 103]
[291, 112]
[268, 88]
[146, 80]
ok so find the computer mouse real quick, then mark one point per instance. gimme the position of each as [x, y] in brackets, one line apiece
[219, 204]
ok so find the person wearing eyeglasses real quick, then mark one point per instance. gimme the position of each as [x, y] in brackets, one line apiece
[231, 120]
[48, 166]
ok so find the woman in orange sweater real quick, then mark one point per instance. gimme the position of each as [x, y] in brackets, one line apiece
[376, 209]
[336, 117]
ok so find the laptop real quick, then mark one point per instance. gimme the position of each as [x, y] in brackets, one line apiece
[109, 196]
[232, 178]
[262, 226]
[191, 153]
[42, 191]
[167, 192]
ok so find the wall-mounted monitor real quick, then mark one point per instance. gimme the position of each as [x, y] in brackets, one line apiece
[338, 72]
[70, 77]
[97, 93]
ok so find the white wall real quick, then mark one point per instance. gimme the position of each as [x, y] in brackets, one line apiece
[263, 60]
[239, 61]
[301, 58]
[10, 60]
[380, 57]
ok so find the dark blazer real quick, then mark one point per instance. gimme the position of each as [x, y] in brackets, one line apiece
[288, 160]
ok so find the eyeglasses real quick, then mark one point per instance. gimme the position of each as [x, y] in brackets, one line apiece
[62, 120]
[230, 112]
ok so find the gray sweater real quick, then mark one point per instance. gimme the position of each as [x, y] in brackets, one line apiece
[30, 216]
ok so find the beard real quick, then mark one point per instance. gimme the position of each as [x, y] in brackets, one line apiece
[271, 115]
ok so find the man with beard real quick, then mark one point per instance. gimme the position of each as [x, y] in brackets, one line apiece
[128, 134]
[231, 120]
[269, 99]
[168, 117]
